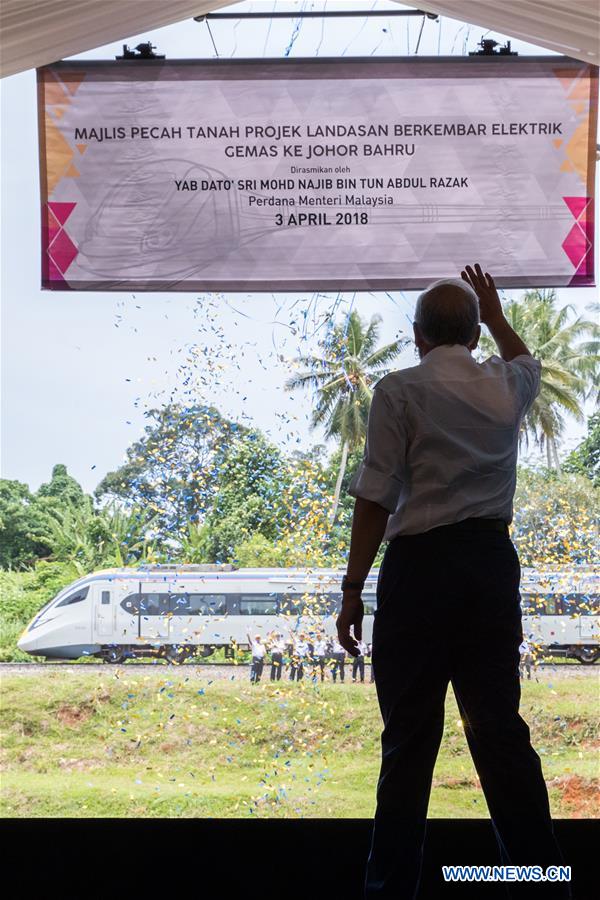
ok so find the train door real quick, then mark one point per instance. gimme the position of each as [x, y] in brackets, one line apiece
[589, 627]
[182, 613]
[154, 611]
[104, 613]
[589, 609]
[533, 617]
[589, 624]
[551, 621]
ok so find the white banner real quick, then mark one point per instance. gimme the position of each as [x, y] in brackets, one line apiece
[316, 174]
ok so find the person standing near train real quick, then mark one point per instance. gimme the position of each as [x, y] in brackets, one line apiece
[358, 663]
[277, 649]
[526, 659]
[437, 483]
[320, 653]
[258, 657]
[370, 655]
[299, 654]
[339, 660]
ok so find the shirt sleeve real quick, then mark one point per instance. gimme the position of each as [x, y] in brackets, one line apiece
[529, 371]
[380, 475]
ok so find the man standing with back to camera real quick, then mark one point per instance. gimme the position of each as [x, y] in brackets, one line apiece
[437, 481]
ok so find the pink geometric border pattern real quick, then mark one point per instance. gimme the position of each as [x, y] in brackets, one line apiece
[60, 249]
[579, 243]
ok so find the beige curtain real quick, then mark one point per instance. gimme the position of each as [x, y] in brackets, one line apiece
[36, 32]
[571, 27]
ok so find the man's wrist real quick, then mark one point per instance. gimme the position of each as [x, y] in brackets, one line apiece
[352, 584]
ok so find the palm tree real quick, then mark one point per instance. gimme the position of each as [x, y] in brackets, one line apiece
[343, 378]
[569, 350]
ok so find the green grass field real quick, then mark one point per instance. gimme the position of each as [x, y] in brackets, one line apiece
[176, 744]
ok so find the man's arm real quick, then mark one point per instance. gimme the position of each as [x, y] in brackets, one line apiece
[368, 527]
[491, 314]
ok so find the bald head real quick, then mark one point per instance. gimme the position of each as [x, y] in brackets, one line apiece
[447, 312]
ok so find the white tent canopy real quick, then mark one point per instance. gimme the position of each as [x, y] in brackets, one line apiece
[571, 27]
[36, 32]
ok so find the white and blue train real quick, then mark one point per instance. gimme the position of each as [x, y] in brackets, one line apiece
[175, 612]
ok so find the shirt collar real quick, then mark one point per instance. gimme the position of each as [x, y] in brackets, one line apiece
[444, 352]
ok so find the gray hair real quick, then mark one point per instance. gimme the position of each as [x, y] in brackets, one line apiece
[447, 312]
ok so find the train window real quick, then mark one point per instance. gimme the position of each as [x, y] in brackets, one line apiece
[155, 604]
[532, 604]
[258, 605]
[199, 604]
[580, 604]
[322, 604]
[179, 603]
[336, 602]
[570, 604]
[290, 604]
[105, 598]
[540, 604]
[76, 597]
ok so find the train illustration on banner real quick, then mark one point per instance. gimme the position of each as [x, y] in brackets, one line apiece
[176, 612]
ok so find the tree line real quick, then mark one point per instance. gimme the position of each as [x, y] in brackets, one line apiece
[197, 487]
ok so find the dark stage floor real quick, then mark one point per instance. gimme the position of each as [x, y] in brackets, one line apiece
[312, 859]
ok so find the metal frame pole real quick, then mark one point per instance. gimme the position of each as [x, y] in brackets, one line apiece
[327, 14]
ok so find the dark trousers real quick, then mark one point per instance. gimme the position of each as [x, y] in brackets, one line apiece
[256, 668]
[296, 670]
[321, 662]
[448, 611]
[314, 663]
[358, 667]
[276, 666]
[339, 665]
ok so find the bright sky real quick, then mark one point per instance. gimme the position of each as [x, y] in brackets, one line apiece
[78, 369]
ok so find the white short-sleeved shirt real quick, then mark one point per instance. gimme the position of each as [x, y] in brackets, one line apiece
[258, 649]
[442, 439]
[301, 648]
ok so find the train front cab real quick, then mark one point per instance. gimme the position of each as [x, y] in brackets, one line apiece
[63, 628]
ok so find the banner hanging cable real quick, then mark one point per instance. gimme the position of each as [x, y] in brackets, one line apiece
[211, 37]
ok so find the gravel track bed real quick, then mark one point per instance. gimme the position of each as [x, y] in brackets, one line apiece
[241, 672]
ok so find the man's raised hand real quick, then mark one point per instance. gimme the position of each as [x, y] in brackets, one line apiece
[490, 308]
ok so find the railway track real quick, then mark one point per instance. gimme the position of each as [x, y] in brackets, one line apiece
[128, 666]
[240, 671]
